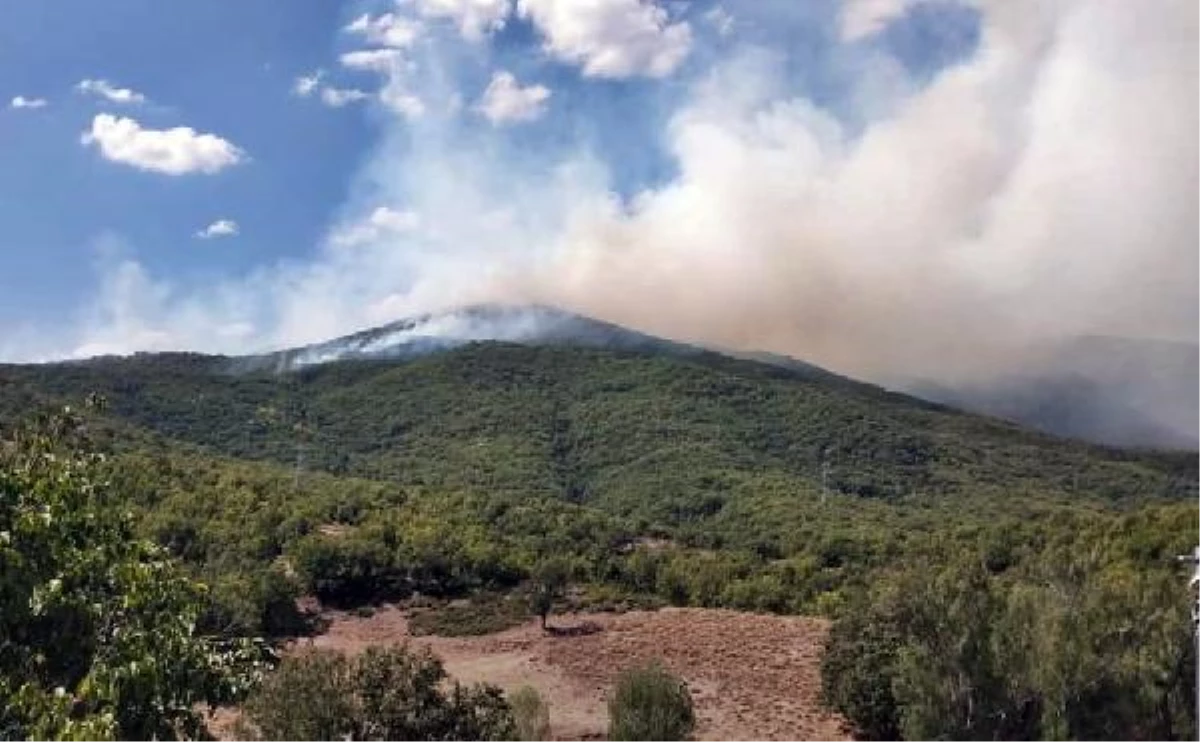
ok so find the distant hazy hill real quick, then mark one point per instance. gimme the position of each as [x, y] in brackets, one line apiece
[1117, 391]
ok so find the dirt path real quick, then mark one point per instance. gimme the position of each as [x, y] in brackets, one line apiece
[752, 676]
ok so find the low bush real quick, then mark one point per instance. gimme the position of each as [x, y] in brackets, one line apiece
[649, 703]
[530, 713]
[480, 615]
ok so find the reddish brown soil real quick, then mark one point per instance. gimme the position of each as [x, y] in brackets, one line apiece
[752, 676]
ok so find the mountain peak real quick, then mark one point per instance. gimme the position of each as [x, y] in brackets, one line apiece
[421, 334]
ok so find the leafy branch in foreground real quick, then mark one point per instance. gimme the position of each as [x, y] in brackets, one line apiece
[97, 627]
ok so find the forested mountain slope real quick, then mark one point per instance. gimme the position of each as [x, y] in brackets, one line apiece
[652, 433]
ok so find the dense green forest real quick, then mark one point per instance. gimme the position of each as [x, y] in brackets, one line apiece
[986, 581]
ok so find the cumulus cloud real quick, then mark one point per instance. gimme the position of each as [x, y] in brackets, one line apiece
[720, 19]
[338, 97]
[21, 101]
[610, 38]
[306, 85]
[111, 93]
[474, 18]
[372, 60]
[178, 151]
[863, 18]
[389, 30]
[382, 222]
[505, 101]
[402, 102]
[219, 228]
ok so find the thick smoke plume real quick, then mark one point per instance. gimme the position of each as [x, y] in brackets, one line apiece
[953, 229]
[1047, 188]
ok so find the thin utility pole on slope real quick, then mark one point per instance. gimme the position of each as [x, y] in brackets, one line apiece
[824, 474]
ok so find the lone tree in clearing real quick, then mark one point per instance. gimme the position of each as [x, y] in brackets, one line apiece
[549, 583]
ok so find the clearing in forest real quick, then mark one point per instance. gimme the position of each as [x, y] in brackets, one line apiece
[752, 676]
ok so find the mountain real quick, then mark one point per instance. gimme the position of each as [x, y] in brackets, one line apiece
[570, 407]
[1111, 391]
[375, 467]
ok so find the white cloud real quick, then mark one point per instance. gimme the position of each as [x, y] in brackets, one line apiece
[388, 30]
[338, 97]
[176, 151]
[610, 38]
[402, 102]
[21, 101]
[474, 18]
[306, 85]
[398, 93]
[505, 100]
[380, 223]
[110, 92]
[720, 19]
[863, 18]
[372, 60]
[219, 228]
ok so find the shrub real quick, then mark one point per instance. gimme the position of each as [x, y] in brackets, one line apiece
[857, 670]
[650, 703]
[309, 696]
[482, 614]
[530, 713]
[388, 693]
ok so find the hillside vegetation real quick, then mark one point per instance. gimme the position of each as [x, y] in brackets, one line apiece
[691, 479]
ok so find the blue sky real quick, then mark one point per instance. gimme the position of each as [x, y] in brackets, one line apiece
[225, 68]
[354, 161]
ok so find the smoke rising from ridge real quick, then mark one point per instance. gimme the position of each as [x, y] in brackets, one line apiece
[1042, 189]
[1045, 188]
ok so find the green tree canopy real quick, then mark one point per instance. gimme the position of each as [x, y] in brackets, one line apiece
[97, 627]
[1081, 644]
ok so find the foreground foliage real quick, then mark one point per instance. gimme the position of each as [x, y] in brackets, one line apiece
[1092, 639]
[98, 632]
[384, 693]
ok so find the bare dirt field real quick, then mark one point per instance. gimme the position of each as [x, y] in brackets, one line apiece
[752, 676]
